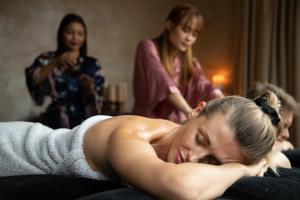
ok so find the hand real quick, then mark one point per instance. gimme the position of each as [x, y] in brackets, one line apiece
[217, 94]
[67, 60]
[87, 84]
[282, 145]
[257, 169]
[280, 160]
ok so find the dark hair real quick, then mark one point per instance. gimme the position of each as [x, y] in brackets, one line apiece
[69, 18]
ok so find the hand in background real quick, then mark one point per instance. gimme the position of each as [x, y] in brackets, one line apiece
[87, 84]
[67, 60]
[280, 160]
[218, 94]
[282, 145]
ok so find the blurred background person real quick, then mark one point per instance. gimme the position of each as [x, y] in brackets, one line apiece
[68, 75]
[168, 79]
[289, 108]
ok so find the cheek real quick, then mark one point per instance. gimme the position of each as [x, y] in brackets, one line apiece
[170, 154]
[171, 157]
[175, 37]
[188, 142]
[193, 41]
[180, 36]
[172, 39]
[67, 38]
[82, 39]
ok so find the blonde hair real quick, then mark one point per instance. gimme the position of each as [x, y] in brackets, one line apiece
[253, 128]
[180, 12]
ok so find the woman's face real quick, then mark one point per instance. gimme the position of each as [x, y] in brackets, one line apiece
[287, 118]
[205, 140]
[183, 35]
[74, 36]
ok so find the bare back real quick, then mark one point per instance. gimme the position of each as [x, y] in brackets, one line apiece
[97, 138]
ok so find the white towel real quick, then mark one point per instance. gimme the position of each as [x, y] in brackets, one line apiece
[32, 148]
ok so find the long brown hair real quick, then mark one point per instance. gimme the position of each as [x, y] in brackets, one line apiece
[180, 12]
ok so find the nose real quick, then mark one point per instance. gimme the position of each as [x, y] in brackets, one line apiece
[285, 134]
[189, 37]
[197, 156]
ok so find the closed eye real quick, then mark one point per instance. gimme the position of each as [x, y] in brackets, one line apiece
[198, 140]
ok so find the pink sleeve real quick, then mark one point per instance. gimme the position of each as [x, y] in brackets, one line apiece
[151, 83]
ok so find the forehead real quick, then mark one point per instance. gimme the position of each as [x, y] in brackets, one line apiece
[286, 113]
[287, 116]
[223, 145]
[75, 26]
[192, 21]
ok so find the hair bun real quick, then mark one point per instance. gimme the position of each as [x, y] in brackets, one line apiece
[262, 103]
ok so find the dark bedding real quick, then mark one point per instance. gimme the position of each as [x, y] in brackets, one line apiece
[47, 187]
[56, 187]
[286, 186]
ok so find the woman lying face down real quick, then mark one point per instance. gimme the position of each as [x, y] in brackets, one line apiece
[203, 140]
[231, 137]
[226, 139]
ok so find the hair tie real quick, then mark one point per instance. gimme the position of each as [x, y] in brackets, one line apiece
[261, 102]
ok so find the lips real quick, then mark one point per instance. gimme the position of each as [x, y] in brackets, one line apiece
[179, 158]
[185, 45]
[74, 44]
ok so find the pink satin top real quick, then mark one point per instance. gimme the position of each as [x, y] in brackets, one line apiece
[152, 85]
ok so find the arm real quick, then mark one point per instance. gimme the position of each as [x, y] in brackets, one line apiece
[36, 77]
[44, 72]
[283, 145]
[280, 160]
[63, 61]
[136, 162]
[178, 101]
[152, 83]
[92, 84]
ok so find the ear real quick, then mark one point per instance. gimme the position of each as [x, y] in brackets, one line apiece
[169, 25]
[197, 110]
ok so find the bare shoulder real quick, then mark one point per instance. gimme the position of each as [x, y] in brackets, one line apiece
[130, 153]
[127, 153]
[134, 135]
[115, 132]
[112, 134]
[143, 127]
[140, 126]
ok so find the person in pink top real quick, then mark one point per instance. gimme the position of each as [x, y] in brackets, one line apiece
[168, 80]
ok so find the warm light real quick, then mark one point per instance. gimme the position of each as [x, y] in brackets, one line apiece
[218, 80]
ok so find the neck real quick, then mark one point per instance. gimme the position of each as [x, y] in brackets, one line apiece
[173, 53]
